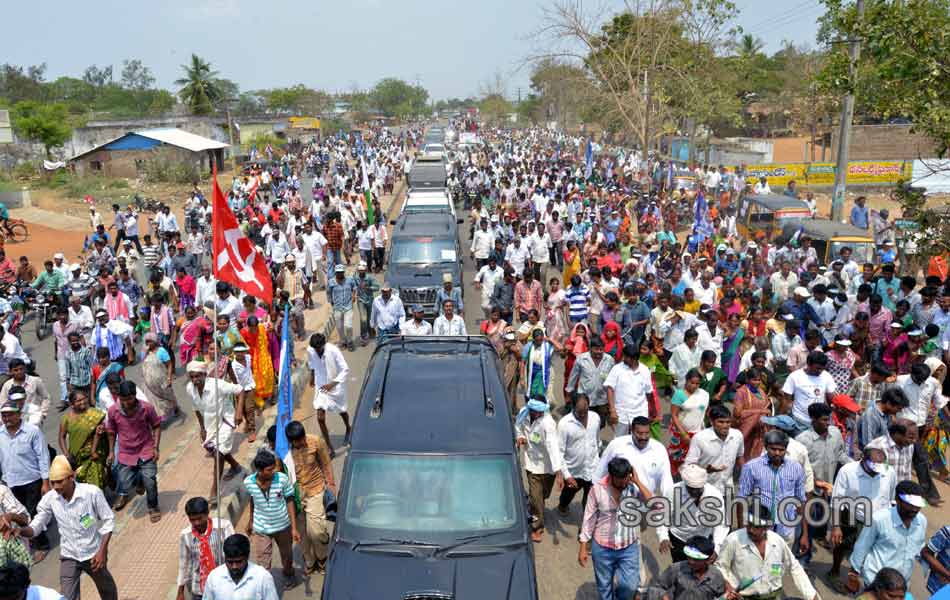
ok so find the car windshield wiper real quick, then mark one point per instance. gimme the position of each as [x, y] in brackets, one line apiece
[391, 542]
[468, 539]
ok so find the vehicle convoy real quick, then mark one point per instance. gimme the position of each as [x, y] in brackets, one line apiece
[423, 247]
[428, 171]
[431, 503]
[427, 201]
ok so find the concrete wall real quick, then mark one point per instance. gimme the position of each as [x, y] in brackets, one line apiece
[96, 133]
[761, 146]
[128, 163]
[19, 199]
[885, 142]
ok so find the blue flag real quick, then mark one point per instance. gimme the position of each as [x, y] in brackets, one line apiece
[702, 228]
[589, 159]
[285, 397]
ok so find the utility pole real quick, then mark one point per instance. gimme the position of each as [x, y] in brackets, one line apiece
[844, 136]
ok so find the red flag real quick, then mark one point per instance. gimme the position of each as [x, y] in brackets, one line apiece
[236, 260]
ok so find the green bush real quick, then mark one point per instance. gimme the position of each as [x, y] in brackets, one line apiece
[24, 170]
[78, 187]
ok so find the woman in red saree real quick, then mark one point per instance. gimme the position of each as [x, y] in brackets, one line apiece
[262, 364]
[194, 336]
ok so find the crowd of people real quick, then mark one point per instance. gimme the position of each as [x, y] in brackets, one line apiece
[147, 297]
[691, 364]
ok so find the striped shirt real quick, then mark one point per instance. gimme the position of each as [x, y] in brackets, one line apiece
[900, 459]
[270, 510]
[79, 367]
[151, 253]
[579, 299]
[602, 517]
[189, 567]
[773, 485]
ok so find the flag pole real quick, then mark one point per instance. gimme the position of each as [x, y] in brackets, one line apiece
[214, 370]
[217, 434]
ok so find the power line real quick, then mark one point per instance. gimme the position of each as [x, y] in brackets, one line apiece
[807, 5]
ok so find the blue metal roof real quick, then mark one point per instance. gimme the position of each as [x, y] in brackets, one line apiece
[132, 141]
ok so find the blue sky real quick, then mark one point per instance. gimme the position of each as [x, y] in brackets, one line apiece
[451, 46]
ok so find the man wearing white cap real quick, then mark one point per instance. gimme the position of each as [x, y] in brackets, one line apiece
[60, 264]
[115, 335]
[214, 402]
[686, 497]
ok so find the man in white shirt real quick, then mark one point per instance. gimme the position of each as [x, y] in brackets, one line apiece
[204, 287]
[922, 392]
[328, 373]
[417, 325]
[238, 578]
[483, 241]
[386, 314]
[578, 439]
[485, 280]
[536, 432]
[809, 385]
[648, 457]
[166, 221]
[685, 357]
[540, 256]
[686, 496]
[719, 449]
[317, 244]
[448, 323]
[517, 255]
[85, 524]
[628, 385]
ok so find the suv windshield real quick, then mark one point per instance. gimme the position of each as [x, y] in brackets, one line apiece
[427, 497]
[422, 250]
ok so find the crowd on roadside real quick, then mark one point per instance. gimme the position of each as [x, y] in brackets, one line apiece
[147, 297]
[721, 366]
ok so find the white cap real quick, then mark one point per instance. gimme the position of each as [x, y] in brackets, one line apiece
[803, 292]
[59, 255]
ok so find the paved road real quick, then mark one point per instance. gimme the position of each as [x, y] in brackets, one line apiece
[559, 575]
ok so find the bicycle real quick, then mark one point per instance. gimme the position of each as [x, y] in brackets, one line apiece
[16, 230]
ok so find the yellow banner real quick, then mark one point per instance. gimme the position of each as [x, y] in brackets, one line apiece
[805, 174]
[304, 122]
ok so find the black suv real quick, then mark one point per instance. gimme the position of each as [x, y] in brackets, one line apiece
[431, 503]
[423, 247]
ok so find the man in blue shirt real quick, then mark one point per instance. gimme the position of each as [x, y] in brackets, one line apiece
[859, 213]
[893, 539]
[24, 460]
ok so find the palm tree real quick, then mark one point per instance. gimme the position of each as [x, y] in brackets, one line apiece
[200, 90]
[749, 46]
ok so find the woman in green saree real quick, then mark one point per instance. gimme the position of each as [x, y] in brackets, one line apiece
[82, 440]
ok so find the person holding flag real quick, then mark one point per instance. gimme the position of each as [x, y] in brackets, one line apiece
[367, 193]
[214, 402]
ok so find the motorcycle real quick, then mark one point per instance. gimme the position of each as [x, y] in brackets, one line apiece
[43, 313]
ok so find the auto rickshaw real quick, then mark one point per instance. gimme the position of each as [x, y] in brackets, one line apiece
[765, 216]
[829, 237]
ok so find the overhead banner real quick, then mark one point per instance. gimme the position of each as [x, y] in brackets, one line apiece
[859, 172]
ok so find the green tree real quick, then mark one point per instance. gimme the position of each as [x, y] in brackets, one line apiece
[44, 123]
[136, 76]
[97, 76]
[199, 87]
[904, 67]
[18, 83]
[495, 108]
[394, 97]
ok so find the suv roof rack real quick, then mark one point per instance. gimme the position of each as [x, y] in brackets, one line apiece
[489, 403]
